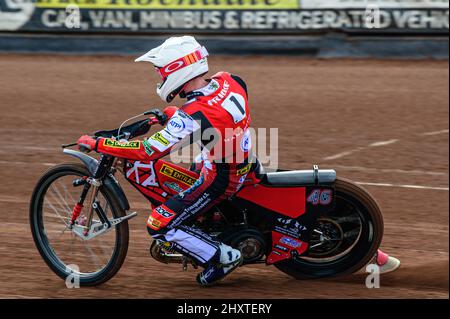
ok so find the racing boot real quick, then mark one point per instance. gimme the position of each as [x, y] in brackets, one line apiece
[226, 260]
[385, 262]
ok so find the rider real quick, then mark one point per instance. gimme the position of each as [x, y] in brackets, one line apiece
[218, 105]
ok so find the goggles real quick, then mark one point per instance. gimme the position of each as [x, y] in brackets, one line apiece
[182, 62]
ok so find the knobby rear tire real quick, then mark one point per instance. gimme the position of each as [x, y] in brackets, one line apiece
[40, 239]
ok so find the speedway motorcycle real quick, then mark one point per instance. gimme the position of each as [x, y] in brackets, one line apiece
[307, 223]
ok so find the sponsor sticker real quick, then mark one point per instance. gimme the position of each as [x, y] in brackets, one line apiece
[244, 170]
[216, 99]
[183, 115]
[173, 186]
[153, 223]
[213, 85]
[135, 145]
[281, 248]
[285, 221]
[160, 139]
[246, 142]
[163, 212]
[176, 125]
[147, 148]
[290, 242]
[294, 225]
[276, 252]
[176, 174]
[288, 231]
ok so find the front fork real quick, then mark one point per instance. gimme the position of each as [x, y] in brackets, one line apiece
[92, 204]
[94, 182]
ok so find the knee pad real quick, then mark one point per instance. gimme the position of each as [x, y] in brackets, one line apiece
[159, 219]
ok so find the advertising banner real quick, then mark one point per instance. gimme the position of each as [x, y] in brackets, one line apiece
[224, 16]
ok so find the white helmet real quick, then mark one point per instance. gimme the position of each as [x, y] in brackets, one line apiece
[178, 60]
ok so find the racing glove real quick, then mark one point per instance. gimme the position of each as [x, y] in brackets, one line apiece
[87, 142]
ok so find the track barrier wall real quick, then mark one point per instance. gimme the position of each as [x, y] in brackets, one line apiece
[426, 20]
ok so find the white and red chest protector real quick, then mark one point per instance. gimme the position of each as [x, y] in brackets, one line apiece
[222, 107]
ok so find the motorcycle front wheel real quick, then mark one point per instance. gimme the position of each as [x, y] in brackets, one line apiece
[87, 262]
[344, 240]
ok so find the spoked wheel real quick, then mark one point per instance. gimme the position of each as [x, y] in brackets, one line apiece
[94, 261]
[344, 240]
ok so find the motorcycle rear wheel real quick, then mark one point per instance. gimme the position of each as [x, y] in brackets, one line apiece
[50, 210]
[322, 264]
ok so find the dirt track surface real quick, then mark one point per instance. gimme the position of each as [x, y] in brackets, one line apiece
[322, 109]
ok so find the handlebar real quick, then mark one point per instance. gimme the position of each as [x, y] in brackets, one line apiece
[68, 145]
[133, 130]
